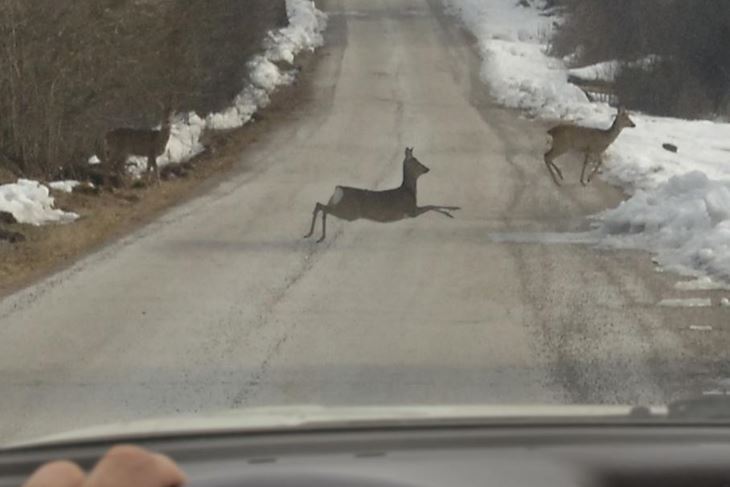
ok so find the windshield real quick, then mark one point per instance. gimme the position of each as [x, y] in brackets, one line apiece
[213, 207]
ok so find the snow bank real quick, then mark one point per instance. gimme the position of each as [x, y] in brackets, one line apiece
[304, 32]
[65, 186]
[512, 42]
[31, 202]
[686, 221]
[679, 204]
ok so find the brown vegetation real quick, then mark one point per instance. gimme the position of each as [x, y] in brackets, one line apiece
[690, 38]
[74, 69]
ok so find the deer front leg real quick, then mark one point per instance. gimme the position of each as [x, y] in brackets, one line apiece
[120, 172]
[551, 167]
[444, 210]
[599, 162]
[324, 224]
[152, 168]
[586, 160]
[317, 208]
[111, 172]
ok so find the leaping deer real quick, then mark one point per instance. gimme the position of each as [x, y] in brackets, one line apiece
[389, 205]
[589, 141]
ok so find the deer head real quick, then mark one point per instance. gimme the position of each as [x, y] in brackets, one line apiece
[412, 166]
[623, 120]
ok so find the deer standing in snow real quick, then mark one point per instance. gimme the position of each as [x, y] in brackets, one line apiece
[123, 142]
[591, 142]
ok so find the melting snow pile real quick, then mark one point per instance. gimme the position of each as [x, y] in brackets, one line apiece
[679, 205]
[685, 220]
[31, 202]
[512, 43]
[304, 32]
[65, 186]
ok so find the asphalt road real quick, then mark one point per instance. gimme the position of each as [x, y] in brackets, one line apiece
[220, 303]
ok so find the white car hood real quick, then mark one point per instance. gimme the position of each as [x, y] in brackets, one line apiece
[297, 417]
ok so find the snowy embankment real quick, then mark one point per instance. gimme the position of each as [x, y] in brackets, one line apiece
[304, 32]
[679, 203]
[30, 201]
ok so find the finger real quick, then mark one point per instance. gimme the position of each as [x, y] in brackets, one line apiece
[129, 465]
[57, 474]
[169, 466]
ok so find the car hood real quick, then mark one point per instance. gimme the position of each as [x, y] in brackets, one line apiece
[294, 418]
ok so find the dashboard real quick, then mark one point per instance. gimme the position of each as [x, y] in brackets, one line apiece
[467, 455]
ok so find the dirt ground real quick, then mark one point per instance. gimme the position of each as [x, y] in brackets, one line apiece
[107, 216]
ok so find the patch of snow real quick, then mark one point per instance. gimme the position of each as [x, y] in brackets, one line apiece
[65, 186]
[94, 160]
[184, 143]
[304, 32]
[679, 203]
[686, 303]
[608, 70]
[725, 302]
[685, 221]
[700, 327]
[30, 202]
[605, 71]
[703, 283]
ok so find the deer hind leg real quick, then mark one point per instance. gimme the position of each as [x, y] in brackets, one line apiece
[114, 174]
[152, 167]
[317, 208]
[551, 167]
[599, 162]
[108, 167]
